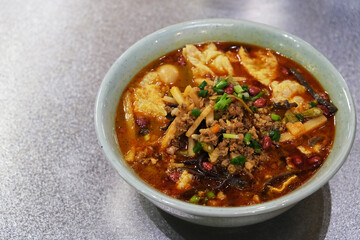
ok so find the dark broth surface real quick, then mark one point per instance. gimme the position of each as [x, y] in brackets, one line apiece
[237, 185]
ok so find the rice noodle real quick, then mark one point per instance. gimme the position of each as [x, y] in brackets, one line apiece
[129, 115]
[191, 145]
[194, 97]
[197, 122]
[177, 95]
[170, 134]
[210, 118]
[169, 100]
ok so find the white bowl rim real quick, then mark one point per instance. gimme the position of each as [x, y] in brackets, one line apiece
[257, 209]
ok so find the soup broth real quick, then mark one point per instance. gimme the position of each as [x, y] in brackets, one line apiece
[225, 124]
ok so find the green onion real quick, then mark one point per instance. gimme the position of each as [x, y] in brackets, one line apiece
[246, 97]
[197, 147]
[207, 147]
[312, 104]
[203, 93]
[239, 160]
[245, 88]
[247, 139]
[275, 117]
[147, 137]
[254, 109]
[274, 135]
[239, 95]
[257, 96]
[298, 115]
[238, 89]
[312, 112]
[210, 194]
[290, 116]
[228, 135]
[223, 103]
[182, 153]
[256, 146]
[222, 84]
[218, 91]
[202, 85]
[195, 112]
[194, 199]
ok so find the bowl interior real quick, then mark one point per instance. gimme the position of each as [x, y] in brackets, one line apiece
[174, 37]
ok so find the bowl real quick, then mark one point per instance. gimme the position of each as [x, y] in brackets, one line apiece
[173, 37]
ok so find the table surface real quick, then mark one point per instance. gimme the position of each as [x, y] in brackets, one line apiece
[55, 181]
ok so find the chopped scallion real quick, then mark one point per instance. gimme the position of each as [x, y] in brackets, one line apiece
[239, 95]
[202, 85]
[257, 96]
[256, 146]
[238, 89]
[203, 93]
[194, 199]
[246, 97]
[218, 90]
[223, 103]
[275, 117]
[312, 104]
[239, 160]
[183, 153]
[274, 135]
[290, 116]
[207, 147]
[222, 84]
[197, 147]
[300, 117]
[228, 135]
[247, 138]
[195, 112]
[210, 194]
[245, 88]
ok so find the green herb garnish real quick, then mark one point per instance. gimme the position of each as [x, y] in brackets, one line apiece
[228, 135]
[202, 85]
[275, 117]
[197, 147]
[256, 146]
[195, 112]
[274, 135]
[239, 160]
[223, 103]
[247, 139]
[257, 96]
[300, 117]
[203, 93]
[312, 104]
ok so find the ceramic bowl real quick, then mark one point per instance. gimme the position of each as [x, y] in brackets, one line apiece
[173, 37]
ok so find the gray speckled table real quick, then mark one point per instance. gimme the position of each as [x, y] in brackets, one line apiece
[55, 182]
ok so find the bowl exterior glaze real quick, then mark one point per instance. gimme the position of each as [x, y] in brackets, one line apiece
[165, 40]
[220, 221]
